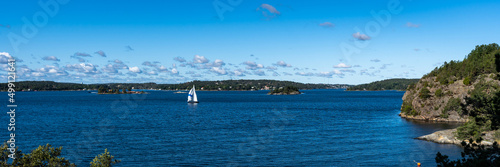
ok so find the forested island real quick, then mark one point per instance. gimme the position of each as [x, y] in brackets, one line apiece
[466, 91]
[103, 90]
[200, 85]
[287, 90]
[389, 84]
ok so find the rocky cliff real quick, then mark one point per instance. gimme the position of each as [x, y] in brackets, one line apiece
[441, 95]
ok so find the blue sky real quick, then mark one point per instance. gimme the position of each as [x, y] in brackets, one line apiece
[348, 42]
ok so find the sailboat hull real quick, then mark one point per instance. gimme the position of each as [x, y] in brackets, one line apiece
[192, 101]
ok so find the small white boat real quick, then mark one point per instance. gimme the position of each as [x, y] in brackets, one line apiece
[192, 98]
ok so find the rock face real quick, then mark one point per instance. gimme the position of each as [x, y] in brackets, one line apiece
[448, 137]
[438, 104]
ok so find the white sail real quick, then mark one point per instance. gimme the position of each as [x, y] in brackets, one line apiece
[192, 98]
[190, 95]
[195, 98]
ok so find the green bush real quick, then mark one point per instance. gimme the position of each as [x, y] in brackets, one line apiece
[444, 114]
[453, 104]
[424, 93]
[473, 155]
[469, 130]
[48, 156]
[407, 109]
[104, 160]
[467, 81]
[439, 93]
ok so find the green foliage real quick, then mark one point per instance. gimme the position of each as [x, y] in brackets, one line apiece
[469, 130]
[389, 84]
[425, 84]
[444, 114]
[407, 109]
[484, 59]
[103, 160]
[467, 81]
[44, 156]
[496, 135]
[473, 155]
[453, 104]
[48, 156]
[102, 89]
[285, 90]
[424, 93]
[439, 93]
[484, 108]
[4, 155]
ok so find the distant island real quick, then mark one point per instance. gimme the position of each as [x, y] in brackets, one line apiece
[287, 90]
[103, 90]
[389, 84]
[225, 85]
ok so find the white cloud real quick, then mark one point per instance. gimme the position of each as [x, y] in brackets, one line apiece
[109, 68]
[259, 73]
[37, 74]
[180, 59]
[360, 36]
[216, 63]
[342, 65]
[85, 68]
[269, 12]
[101, 53]
[282, 64]
[118, 61]
[327, 25]
[304, 73]
[384, 66]
[218, 70]
[200, 59]
[174, 71]
[271, 68]
[162, 69]
[134, 69]
[375, 60]
[147, 63]
[81, 54]
[4, 57]
[252, 65]
[348, 70]
[50, 58]
[270, 8]
[330, 74]
[239, 72]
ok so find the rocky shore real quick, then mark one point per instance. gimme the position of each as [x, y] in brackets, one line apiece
[452, 118]
[448, 137]
[289, 93]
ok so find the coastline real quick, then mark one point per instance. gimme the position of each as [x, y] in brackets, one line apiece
[448, 137]
[435, 119]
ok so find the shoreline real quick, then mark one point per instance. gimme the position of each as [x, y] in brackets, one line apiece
[448, 137]
[161, 90]
[437, 119]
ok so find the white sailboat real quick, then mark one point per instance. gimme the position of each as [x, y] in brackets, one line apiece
[192, 96]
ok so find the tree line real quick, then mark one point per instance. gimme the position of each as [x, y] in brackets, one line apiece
[388, 84]
[206, 85]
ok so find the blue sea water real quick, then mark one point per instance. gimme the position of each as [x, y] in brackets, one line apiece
[227, 128]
